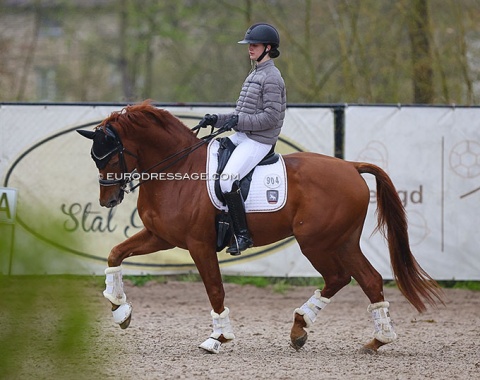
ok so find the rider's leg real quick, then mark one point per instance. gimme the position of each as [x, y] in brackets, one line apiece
[236, 210]
[243, 159]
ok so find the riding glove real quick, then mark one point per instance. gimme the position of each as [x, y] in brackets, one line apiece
[231, 123]
[208, 120]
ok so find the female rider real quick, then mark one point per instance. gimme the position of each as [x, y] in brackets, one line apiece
[257, 121]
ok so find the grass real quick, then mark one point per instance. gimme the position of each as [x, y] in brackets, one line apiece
[470, 285]
[280, 284]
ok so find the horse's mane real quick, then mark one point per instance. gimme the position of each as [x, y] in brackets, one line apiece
[143, 115]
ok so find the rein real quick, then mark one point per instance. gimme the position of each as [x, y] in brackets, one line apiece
[128, 177]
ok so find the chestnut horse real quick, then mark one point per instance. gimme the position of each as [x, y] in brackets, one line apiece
[325, 212]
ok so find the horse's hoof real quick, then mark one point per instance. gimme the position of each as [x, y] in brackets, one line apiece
[367, 350]
[126, 323]
[372, 347]
[299, 342]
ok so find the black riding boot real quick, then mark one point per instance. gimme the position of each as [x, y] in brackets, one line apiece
[236, 210]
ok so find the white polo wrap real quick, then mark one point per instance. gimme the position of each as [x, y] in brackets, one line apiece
[222, 325]
[312, 307]
[383, 325]
[114, 286]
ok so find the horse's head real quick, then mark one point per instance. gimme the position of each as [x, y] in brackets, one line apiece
[108, 153]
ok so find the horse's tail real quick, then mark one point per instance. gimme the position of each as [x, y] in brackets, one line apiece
[412, 280]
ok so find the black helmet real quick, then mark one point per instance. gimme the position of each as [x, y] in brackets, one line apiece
[261, 34]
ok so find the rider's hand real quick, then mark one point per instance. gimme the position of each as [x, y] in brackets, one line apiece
[208, 120]
[231, 123]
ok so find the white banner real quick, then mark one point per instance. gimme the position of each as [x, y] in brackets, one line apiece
[61, 227]
[431, 153]
[433, 157]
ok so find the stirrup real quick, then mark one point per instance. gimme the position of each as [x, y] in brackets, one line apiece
[240, 243]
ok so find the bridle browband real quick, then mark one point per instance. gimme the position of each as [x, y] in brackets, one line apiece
[127, 177]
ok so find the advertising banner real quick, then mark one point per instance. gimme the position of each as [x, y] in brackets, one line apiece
[51, 188]
[61, 227]
[433, 157]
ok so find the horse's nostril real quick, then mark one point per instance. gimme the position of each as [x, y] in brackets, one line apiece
[112, 203]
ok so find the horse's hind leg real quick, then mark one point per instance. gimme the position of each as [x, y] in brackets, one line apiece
[335, 279]
[371, 283]
[337, 268]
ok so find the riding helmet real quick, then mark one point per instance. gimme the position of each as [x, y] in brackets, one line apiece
[261, 34]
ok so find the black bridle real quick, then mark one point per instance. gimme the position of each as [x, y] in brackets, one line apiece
[127, 177]
[102, 160]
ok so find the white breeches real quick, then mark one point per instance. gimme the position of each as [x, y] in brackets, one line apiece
[243, 159]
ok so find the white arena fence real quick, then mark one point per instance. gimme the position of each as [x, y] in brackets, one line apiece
[51, 221]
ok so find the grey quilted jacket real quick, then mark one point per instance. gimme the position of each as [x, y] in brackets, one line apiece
[261, 104]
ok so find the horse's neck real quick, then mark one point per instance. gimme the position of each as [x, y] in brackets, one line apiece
[172, 154]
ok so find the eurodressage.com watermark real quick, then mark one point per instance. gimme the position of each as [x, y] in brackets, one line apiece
[168, 177]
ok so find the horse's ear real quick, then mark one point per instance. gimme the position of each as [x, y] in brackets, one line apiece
[87, 134]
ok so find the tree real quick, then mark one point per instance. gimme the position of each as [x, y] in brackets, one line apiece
[332, 51]
[419, 33]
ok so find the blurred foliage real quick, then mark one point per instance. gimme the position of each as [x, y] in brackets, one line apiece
[46, 328]
[48, 322]
[332, 51]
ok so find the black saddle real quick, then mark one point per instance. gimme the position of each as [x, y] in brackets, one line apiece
[225, 150]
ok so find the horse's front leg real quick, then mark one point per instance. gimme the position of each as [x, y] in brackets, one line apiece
[206, 260]
[141, 243]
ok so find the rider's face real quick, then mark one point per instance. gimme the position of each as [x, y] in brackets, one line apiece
[255, 50]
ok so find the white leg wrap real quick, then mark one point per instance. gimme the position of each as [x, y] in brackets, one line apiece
[114, 286]
[312, 307]
[221, 326]
[383, 325]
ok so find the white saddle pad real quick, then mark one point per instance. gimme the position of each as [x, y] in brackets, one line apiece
[268, 190]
